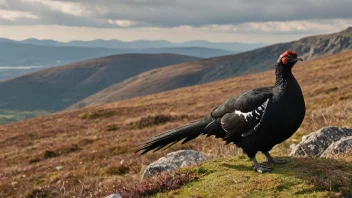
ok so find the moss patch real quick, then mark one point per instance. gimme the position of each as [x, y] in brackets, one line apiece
[302, 177]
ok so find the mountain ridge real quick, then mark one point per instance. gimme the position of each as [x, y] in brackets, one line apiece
[143, 44]
[218, 68]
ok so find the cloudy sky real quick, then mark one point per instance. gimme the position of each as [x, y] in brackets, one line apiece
[248, 21]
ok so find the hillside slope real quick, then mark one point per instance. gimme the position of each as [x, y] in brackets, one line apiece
[95, 146]
[208, 70]
[56, 88]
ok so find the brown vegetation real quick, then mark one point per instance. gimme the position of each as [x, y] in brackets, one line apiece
[94, 144]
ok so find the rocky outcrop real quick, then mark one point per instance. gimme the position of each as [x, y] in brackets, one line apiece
[342, 146]
[173, 161]
[316, 143]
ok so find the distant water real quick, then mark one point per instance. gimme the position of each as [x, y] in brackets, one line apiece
[8, 72]
[20, 67]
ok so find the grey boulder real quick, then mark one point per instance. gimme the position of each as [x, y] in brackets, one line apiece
[173, 161]
[342, 146]
[315, 144]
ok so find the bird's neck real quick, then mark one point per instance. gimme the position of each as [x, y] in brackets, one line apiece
[283, 75]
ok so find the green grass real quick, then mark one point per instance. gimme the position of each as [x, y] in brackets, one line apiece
[302, 177]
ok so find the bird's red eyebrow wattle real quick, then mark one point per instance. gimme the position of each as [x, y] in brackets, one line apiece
[288, 52]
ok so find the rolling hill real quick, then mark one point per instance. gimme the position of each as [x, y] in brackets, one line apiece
[13, 53]
[208, 70]
[56, 88]
[89, 151]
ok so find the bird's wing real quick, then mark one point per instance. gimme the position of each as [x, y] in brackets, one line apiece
[241, 115]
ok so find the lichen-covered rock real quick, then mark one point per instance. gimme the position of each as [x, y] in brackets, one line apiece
[316, 143]
[173, 161]
[342, 146]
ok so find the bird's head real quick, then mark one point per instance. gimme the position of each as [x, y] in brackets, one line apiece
[288, 58]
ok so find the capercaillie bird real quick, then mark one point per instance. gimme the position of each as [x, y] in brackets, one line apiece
[256, 120]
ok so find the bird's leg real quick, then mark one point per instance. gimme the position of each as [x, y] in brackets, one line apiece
[260, 168]
[274, 161]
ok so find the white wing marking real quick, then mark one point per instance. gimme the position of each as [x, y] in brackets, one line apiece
[265, 104]
[245, 115]
[253, 114]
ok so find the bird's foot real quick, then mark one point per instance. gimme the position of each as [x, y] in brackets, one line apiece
[262, 169]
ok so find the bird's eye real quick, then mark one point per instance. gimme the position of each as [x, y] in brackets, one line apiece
[289, 56]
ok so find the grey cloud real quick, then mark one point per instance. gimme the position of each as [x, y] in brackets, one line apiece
[50, 17]
[171, 13]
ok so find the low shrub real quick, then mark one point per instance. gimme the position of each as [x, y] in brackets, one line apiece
[153, 185]
[49, 154]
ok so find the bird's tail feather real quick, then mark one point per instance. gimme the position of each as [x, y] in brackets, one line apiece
[171, 137]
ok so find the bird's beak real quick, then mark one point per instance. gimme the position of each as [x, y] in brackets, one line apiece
[299, 59]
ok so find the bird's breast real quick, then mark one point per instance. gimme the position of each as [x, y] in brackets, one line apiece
[284, 115]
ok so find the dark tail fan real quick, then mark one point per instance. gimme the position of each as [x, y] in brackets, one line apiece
[171, 137]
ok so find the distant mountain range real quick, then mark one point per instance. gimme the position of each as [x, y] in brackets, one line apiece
[146, 44]
[20, 54]
[36, 52]
[56, 88]
[208, 70]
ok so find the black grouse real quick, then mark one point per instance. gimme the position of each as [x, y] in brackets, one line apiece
[256, 120]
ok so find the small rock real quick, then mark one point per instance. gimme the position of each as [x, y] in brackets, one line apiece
[173, 161]
[316, 143]
[342, 146]
[58, 168]
[117, 195]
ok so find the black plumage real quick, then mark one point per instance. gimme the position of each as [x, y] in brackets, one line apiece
[256, 120]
